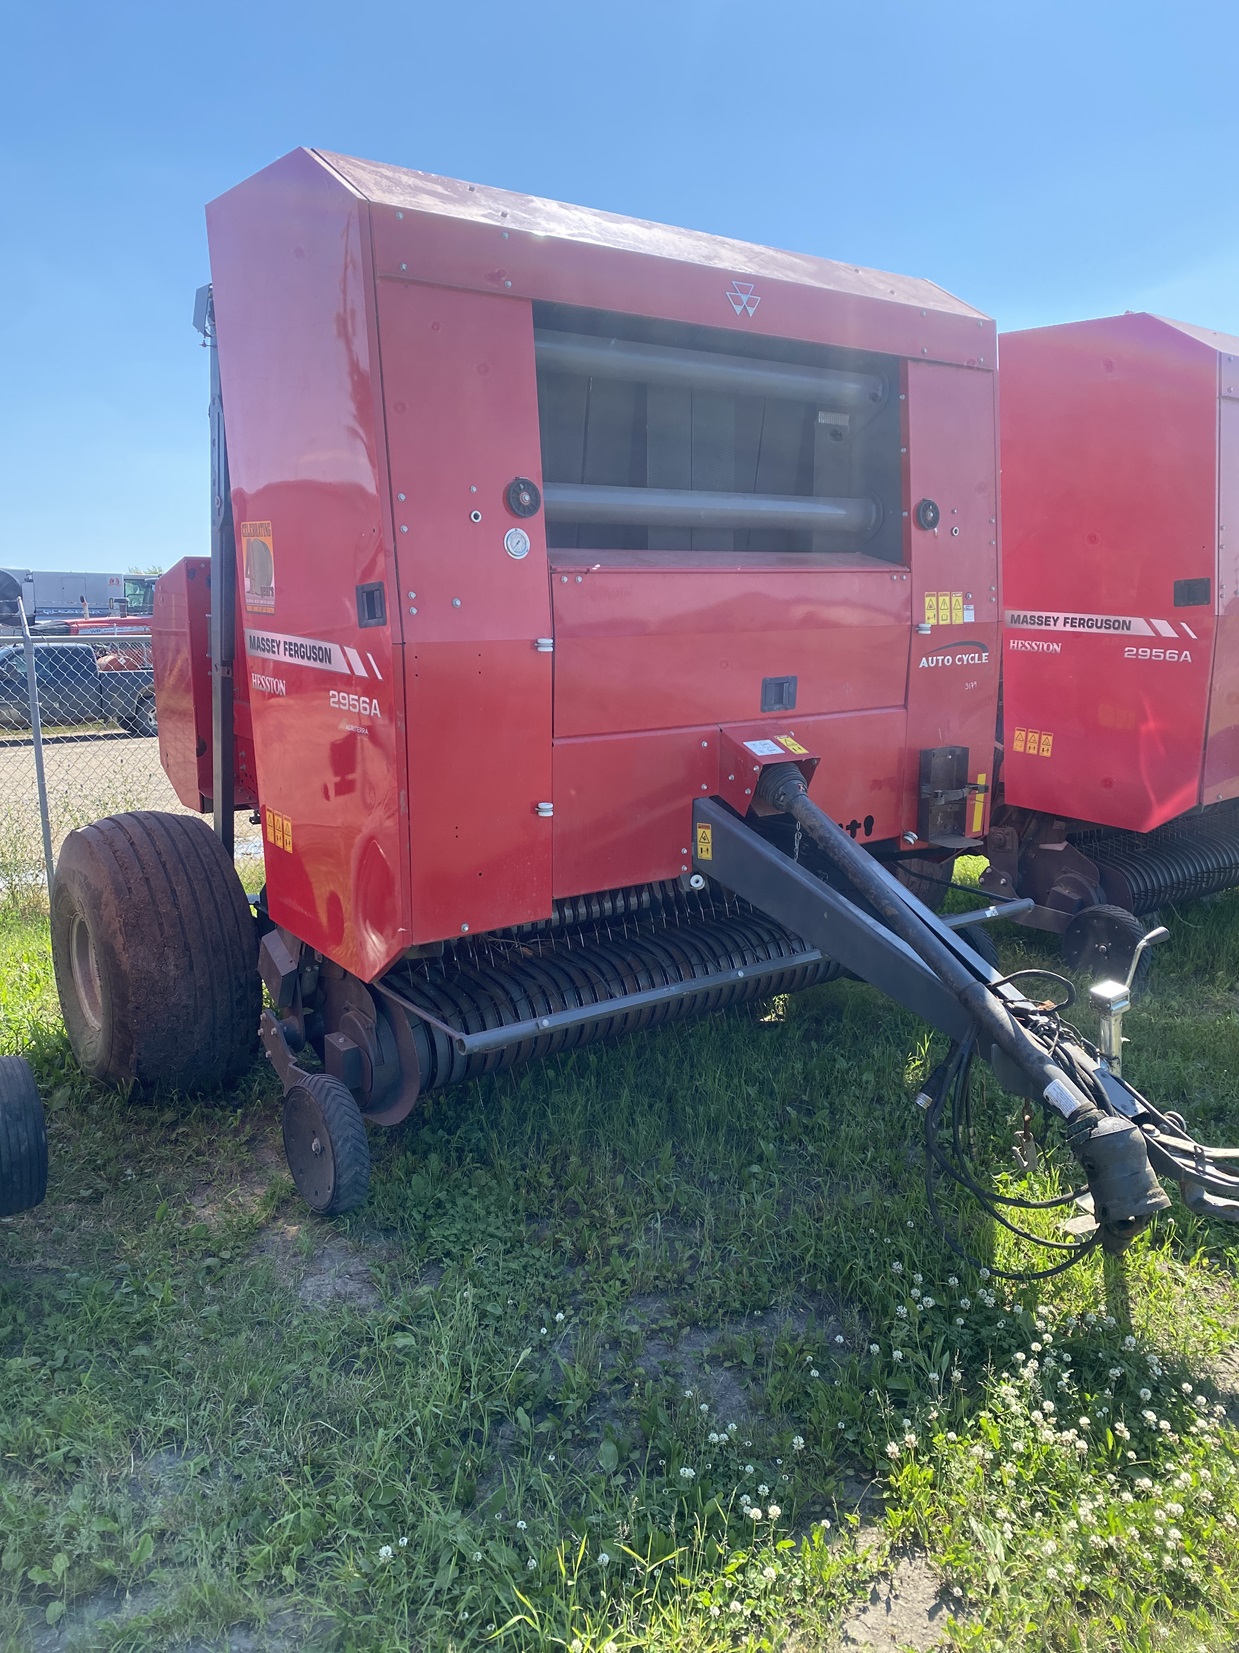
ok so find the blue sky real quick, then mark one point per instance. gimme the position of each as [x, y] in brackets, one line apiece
[1044, 162]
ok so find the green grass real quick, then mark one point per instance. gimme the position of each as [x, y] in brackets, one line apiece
[217, 1411]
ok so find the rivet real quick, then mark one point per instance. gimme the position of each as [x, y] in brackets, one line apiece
[399, 215]
[505, 234]
[578, 579]
[684, 864]
[730, 778]
[748, 792]
[563, 579]
[412, 596]
[455, 602]
[464, 929]
[412, 611]
[400, 497]
[704, 787]
[404, 266]
[475, 516]
[404, 527]
[704, 743]
[507, 283]
[924, 350]
[473, 488]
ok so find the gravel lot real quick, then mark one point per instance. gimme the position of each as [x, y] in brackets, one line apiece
[92, 772]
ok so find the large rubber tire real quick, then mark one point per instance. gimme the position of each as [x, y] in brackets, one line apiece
[325, 1144]
[927, 879]
[1100, 941]
[23, 1139]
[155, 953]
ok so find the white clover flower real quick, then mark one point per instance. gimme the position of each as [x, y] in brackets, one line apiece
[762, 1490]
[896, 1354]
[559, 1318]
[813, 1372]
[875, 1348]
[748, 1469]
[916, 1293]
[385, 1552]
[901, 1311]
[769, 1574]
[688, 1394]
[531, 1565]
[965, 1303]
[797, 1443]
[892, 1449]
[896, 1268]
[704, 1407]
[686, 1474]
[840, 1424]
[1129, 1342]
[731, 1428]
[604, 1560]
[477, 1555]
[951, 1435]
[714, 1437]
[754, 1511]
[403, 1543]
[1086, 1423]
[1146, 1394]
[838, 1337]
[521, 1525]
[918, 1279]
[951, 1280]
[543, 1332]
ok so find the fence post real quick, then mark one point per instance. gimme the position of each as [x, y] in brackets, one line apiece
[36, 731]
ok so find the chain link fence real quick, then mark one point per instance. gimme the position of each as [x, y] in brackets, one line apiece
[98, 725]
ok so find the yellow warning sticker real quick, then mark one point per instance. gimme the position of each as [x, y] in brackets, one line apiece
[258, 567]
[790, 745]
[1034, 743]
[279, 830]
[949, 608]
[705, 843]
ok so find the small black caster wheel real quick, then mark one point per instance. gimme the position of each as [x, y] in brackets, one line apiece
[1100, 943]
[325, 1144]
[980, 940]
[23, 1139]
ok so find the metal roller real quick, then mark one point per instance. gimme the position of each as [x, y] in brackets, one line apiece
[1179, 868]
[706, 508]
[658, 364]
[670, 952]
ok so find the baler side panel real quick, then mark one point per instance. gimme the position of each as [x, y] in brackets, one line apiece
[952, 693]
[181, 654]
[1109, 452]
[462, 423]
[1221, 777]
[644, 647]
[296, 336]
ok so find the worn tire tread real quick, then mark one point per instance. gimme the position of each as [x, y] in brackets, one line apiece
[175, 937]
[23, 1139]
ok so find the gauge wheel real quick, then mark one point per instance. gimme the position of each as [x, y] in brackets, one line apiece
[325, 1144]
[1100, 941]
[980, 940]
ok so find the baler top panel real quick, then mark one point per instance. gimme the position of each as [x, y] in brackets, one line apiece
[542, 513]
[1120, 453]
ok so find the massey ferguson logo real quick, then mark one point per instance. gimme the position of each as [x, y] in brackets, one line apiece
[742, 298]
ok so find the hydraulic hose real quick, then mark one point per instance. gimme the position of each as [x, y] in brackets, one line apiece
[1126, 1193]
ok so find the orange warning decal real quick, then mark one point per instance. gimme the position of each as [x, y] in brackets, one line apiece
[257, 550]
[790, 745]
[279, 830]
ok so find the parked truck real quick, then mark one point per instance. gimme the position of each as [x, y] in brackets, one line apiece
[77, 685]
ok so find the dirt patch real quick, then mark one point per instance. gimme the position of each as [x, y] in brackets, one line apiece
[78, 1631]
[211, 1200]
[904, 1611]
[326, 1272]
